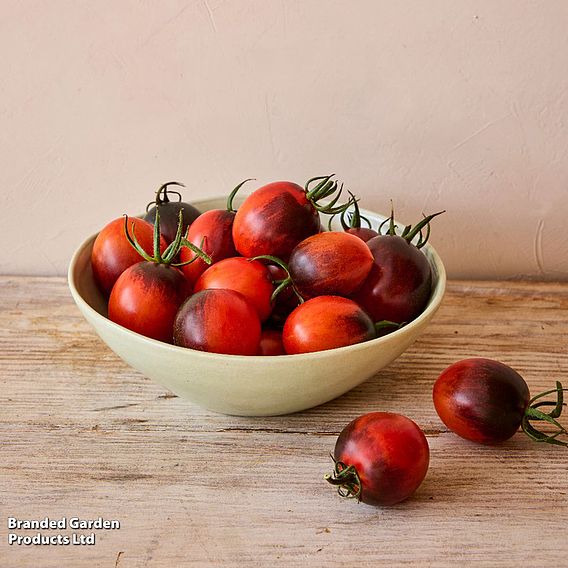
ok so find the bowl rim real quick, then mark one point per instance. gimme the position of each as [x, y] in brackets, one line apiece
[431, 307]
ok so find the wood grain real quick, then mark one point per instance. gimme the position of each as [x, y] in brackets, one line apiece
[84, 435]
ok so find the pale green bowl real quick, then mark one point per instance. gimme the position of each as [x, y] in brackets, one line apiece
[248, 386]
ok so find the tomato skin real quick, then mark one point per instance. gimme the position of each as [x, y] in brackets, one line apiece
[481, 400]
[271, 343]
[249, 277]
[146, 298]
[112, 254]
[169, 217]
[214, 229]
[399, 284]
[389, 452]
[274, 219]
[332, 263]
[218, 321]
[326, 322]
[363, 233]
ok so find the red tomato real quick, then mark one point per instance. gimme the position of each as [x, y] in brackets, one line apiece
[218, 321]
[112, 253]
[274, 219]
[146, 298]
[271, 343]
[331, 263]
[214, 230]
[481, 400]
[249, 277]
[380, 458]
[326, 322]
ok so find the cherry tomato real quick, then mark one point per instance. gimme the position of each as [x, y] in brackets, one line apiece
[363, 233]
[271, 343]
[326, 322]
[218, 321]
[481, 400]
[249, 277]
[169, 212]
[112, 253]
[399, 284]
[275, 218]
[380, 458]
[331, 263]
[146, 298]
[213, 232]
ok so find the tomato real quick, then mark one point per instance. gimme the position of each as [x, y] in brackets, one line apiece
[486, 401]
[249, 277]
[213, 232]
[112, 253]
[326, 322]
[331, 263]
[399, 283]
[169, 212]
[146, 298]
[271, 342]
[275, 218]
[380, 458]
[218, 321]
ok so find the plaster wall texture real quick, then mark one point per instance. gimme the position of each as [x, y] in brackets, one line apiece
[446, 104]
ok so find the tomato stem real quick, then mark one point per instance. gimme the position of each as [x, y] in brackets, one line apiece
[164, 189]
[409, 232]
[233, 193]
[347, 480]
[533, 413]
[288, 281]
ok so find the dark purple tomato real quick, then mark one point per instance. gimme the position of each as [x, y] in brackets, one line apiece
[380, 458]
[146, 298]
[249, 277]
[399, 283]
[331, 263]
[271, 343]
[218, 321]
[326, 322]
[113, 254]
[169, 212]
[481, 400]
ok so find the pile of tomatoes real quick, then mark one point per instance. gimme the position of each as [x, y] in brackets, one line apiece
[265, 279]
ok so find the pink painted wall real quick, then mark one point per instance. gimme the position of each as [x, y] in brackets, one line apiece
[461, 105]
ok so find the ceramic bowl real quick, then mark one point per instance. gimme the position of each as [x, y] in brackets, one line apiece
[248, 386]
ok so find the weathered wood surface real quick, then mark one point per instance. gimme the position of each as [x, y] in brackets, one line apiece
[84, 435]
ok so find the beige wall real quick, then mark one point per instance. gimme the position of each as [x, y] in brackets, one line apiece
[454, 104]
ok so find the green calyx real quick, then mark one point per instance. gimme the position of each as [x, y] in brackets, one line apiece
[281, 284]
[346, 479]
[533, 413]
[162, 194]
[323, 189]
[409, 231]
[386, 324]
[172, 249]
[354, 217]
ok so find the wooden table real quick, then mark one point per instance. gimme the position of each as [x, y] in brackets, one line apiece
[83, 435]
